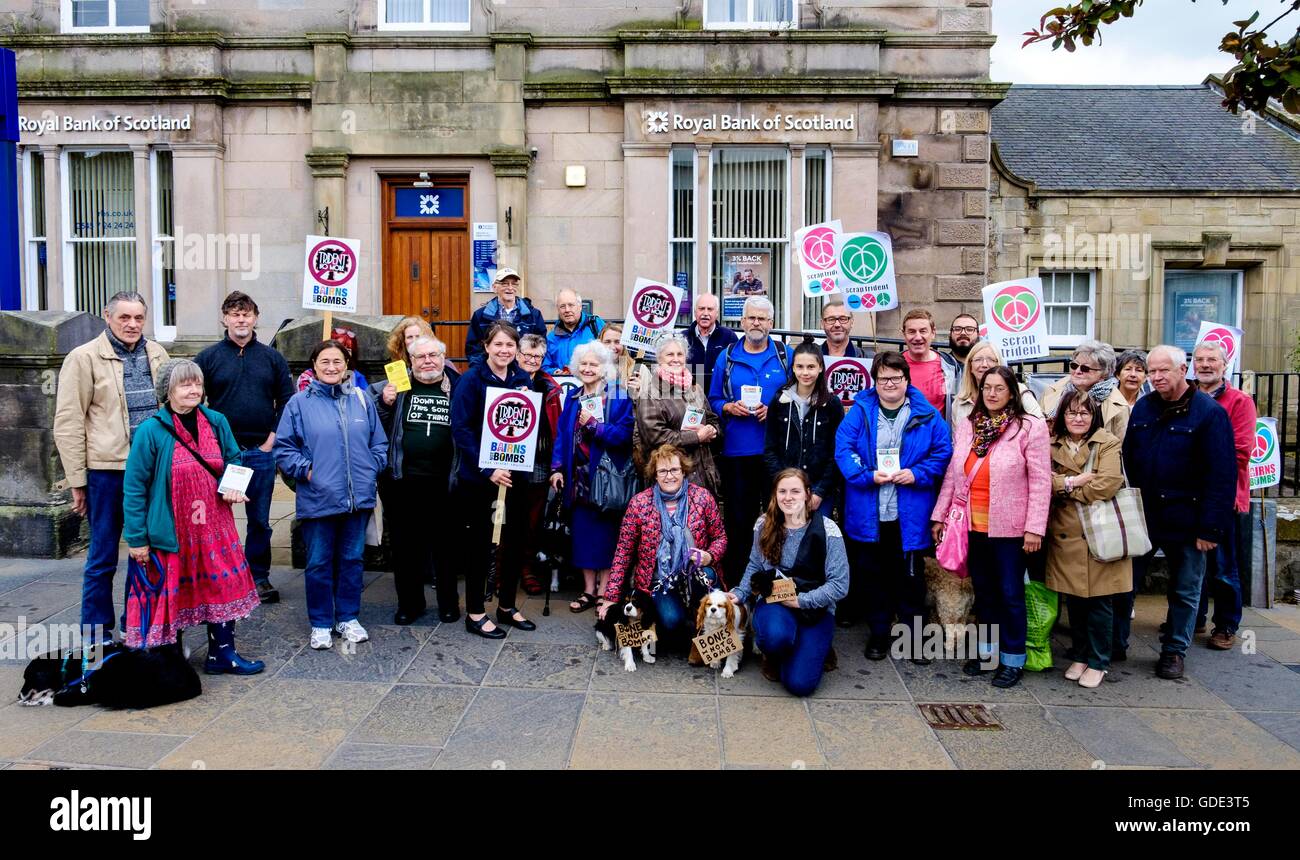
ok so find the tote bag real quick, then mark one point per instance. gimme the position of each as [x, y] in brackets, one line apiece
[952, 550]
[1115, 528]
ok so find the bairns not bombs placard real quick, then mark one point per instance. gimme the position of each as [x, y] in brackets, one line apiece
[1014, 310]
[329, 278]
[847, 378]
[510, 421]
[867, 279]
[819, 267]
[1265, 456]
[650, 315]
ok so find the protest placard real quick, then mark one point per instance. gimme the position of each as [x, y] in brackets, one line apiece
[782, 589]
[717, 645]
[1229, 337]
[819, 265]
[632, 635]
[396, 373]
[867, 279]
[1014, 310]
[1265, 456]
[847, 378]
[329, 280]
[650, 315]
[510, 422]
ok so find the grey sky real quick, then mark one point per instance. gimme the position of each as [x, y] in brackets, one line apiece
[1165, 42]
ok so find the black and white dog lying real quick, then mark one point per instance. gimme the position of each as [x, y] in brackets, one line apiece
[113, 676]
[638, 609]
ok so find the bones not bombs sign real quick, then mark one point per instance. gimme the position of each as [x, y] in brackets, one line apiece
[867, 271]
[329, 279]
[510, 421]
[1265, 456]
[650, 315]
[847, 377]
[1014, 310]
[819, 266]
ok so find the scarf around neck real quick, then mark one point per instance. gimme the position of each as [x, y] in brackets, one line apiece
[674, 549]
[1097, 394]
[988, 430]
[680, 379]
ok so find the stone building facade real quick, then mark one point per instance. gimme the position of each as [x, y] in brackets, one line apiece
[187, 149]
[1147, 209]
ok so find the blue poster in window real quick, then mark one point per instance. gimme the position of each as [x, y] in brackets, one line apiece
[429, 203]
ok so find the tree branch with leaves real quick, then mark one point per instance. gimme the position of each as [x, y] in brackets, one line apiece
[1266, 67]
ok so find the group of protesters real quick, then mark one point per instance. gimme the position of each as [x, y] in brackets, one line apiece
[723, 461]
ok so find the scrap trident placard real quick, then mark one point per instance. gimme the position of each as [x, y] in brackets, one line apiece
[1014, 310]
[866, 262]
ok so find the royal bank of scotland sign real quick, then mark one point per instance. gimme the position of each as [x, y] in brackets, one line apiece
[664, 122]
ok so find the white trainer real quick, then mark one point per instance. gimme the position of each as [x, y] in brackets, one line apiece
[353, 631]
[320, 638]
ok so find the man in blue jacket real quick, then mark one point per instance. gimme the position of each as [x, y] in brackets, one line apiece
[893, 448]
[508, 306]
[746, 376]
[1179, 451]
[573, 328]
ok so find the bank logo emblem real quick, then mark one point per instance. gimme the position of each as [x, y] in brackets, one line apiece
[429, 204]
[1015, 308]
[1264, 443]
[656, 121]
[864, 259]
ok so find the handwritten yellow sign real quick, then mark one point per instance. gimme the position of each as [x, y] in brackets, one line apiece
[398, 376]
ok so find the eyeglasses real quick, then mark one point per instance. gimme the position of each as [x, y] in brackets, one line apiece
[1078, 414]
[528, 356]
[1074, 365]
[889, 381]
[429, 357]
[964, 329]
[758, 319]
[669, 473]
[995, 389]
[837, 320]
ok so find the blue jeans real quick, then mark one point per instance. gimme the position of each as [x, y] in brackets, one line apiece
[1223, 578]
[997, 570]
[335, 546]
[674, 618]
[799, 649]
[257, 546]
[1186, 574]
[104, 514]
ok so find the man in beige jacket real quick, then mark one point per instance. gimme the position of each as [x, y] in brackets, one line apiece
[105, 391]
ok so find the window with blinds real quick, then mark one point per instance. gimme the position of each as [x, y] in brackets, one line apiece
[38, 291]
[749, 209]
[750, 13]
[681, 229]
[164, 237]
[101, 247]
[423, 14]
[816, 209]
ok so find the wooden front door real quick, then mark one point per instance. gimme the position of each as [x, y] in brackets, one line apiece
[427, 253]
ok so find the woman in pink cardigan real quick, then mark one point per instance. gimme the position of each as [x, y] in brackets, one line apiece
[1002, 453]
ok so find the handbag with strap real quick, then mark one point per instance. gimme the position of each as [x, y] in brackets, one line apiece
[613, 486]
[952, 551]
[1115, 528]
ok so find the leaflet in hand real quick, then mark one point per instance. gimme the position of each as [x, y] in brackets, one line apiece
[887, 461]
[751, 396]
[397, 375]
[235, 480]
[693, 419]
[593, 405]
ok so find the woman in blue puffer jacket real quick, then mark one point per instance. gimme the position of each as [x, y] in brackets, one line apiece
[331, 443]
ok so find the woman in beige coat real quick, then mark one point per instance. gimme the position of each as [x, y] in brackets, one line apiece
[662, 404]
[1085, 469]
[1092, 369]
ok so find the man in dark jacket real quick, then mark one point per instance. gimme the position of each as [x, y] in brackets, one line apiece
[1178, 450]
[706, 338]
[418, 424]
[249, 383]
[508, 306]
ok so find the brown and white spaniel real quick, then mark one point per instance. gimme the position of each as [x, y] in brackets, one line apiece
[715, 613]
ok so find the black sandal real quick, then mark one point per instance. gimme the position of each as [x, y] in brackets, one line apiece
[584, 602]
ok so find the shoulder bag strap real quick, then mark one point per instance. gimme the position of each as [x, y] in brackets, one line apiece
[197, 456]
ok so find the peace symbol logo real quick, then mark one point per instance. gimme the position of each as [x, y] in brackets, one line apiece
[1264, 443]
[1224, 338]
[819, 248]
[1015, 308]
[864, 259]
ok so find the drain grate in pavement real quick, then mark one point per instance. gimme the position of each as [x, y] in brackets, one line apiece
[959, 717]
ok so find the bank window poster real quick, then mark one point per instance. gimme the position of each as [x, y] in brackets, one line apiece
[1016, 325]
[651, 313]
[745, 272]
[510, 422]
[866, 266]
[1190, 310]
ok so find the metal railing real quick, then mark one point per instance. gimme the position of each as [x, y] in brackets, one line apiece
[1276, 393]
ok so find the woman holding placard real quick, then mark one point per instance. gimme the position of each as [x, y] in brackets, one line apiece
[177, 464]
[592, 463]
[1085, 469]
[330, 442]
[982, 357]
[673, 410]
[479, 489]
[1018, 475]
[801, 424]
[794, 542]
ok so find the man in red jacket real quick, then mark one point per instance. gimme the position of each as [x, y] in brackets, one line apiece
[1223, 567]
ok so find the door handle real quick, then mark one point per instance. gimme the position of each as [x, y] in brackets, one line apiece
[424, 312]
[436, 311]
[415, 271]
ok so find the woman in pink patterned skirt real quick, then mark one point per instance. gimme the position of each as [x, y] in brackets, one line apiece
[180, 530]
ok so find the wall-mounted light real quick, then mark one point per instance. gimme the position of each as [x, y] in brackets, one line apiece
[424, 181]
[575, 175]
